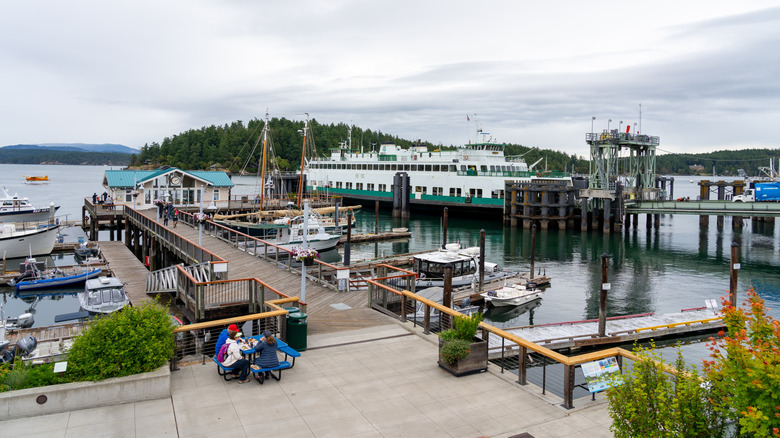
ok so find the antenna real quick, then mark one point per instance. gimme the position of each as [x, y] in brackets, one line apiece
[640, 118]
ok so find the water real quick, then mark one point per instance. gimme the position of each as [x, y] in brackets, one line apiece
[660, 270]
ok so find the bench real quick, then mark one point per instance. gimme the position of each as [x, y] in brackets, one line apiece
[289, 351]
[260, 373]
[223, 371]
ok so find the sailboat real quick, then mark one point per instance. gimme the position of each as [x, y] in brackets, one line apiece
[278, 224]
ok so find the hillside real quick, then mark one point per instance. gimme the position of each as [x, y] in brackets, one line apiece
[76, 147]
[67, 156]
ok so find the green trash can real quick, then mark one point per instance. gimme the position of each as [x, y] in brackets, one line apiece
[296, 330]
[292, 310]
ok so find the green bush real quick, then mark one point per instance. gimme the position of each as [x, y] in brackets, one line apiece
[646, 401]
[25, 375]
[455, 350]
[466, 326]
[131, 341]
[448, 335]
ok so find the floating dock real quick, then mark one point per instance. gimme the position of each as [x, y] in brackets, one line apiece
[621, 329]
[375, 237]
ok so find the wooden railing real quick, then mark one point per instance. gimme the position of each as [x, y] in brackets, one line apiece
[397, 303]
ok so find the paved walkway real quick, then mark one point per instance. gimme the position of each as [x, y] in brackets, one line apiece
[378, 382]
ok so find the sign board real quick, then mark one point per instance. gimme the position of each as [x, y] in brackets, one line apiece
[60, 367]
[598, 373]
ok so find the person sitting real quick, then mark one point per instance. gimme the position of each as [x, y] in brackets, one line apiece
[223, 336]
[234, 357]
[266, 353]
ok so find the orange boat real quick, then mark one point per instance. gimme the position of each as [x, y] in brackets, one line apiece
[37, 178]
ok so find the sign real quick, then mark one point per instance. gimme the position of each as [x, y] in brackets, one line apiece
[598, 373]
[60, 367]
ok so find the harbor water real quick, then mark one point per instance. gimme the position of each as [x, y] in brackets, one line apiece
[675, 266]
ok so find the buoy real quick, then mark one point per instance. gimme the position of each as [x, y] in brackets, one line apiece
[466, 157]
[538, 174]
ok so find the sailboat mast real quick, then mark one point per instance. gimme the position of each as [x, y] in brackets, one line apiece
[265, 149]
[303, 160]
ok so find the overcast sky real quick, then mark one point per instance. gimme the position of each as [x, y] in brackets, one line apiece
[706, 73]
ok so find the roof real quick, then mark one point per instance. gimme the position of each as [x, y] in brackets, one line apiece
[129, 178]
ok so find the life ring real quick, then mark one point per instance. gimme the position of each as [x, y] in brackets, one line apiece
[465, 157]
[538, 174]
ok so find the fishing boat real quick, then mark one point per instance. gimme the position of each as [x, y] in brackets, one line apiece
[36, 179]
[465, 267]
[469, 176]
[27, 241]
[514, 295]
[34, 278]
[16, 209]
[103, 295]
[87, 249]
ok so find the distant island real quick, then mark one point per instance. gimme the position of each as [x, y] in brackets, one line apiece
[67, 153]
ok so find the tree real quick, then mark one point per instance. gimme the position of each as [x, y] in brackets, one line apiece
[745, 368]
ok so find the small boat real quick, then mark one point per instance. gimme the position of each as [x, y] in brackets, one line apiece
[34, 278]
[87, 249]
[36, 179]
[31, 241]
[465, 267]
[514, 295]
[103, 295]
[16, 209]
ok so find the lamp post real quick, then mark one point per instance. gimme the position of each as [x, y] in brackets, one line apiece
[608, 122]
[304, 245]
[620, 126]
[592, 119]
[200, 224]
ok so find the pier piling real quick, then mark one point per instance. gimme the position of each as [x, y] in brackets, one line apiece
[444, 238]
[734, 273]
[603, 296]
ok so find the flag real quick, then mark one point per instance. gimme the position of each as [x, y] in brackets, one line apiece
[467, 118]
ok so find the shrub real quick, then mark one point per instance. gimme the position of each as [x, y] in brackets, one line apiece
[646, 401]
[466, 326]
[745, 368]
[26, 375]
[131, 341]
[455, 350]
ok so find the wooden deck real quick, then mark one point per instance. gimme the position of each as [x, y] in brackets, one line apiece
[328, 311]
[127, 268]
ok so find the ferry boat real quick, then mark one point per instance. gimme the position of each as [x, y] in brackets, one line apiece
[472, 175]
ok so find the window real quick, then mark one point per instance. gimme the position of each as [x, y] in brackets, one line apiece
[349, 185]
[382, 187]
[128, 196]
[483, 168]
[475, 193]
[438, 191]
[414, 168]
[436, 167]
[428, 167]
[215, 197]
[453, 168]
[454, 191]
[370, 186]
[359, 186]
[338, 184]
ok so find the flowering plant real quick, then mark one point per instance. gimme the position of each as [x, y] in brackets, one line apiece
[158, 202]
[301, 254]
[200, 217]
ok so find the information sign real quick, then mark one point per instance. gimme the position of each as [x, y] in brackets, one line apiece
[598, 373]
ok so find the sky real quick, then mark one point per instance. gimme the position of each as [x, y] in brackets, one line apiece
[706, 74]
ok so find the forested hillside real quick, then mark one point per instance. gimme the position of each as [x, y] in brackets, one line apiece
[229, 147]
[50, 156]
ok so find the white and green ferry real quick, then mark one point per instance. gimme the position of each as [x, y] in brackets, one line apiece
[472, 175]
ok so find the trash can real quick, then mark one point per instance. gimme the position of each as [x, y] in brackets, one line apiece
[296, 330]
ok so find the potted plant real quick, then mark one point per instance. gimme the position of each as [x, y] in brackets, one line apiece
[305, 255]
[461, 352]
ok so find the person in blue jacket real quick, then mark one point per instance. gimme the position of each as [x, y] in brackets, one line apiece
[266, 353]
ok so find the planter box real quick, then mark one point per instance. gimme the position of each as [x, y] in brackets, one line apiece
[53, 399]
[475, 362]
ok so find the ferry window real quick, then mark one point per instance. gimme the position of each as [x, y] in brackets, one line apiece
[382, 187]
[472, 192]
[375, 166]
[483, 168]
[436, 167]
[479, 193]
[458, 192]
[370, 186]
[407, 167]
[414, 168]
[452, 191]
[338, 184]
[359, 186]
[349, 185]
[427, 167]
[501, 194]
[492, 168]
[394, 167]
[494, 194]
[453, 168]
[462, 167]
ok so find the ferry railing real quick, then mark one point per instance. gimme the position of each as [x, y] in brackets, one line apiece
[194, 342]
[381, 301]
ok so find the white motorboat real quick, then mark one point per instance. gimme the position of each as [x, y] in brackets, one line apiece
[16, 209]
[465, 267]
[103, 295]
[513, 295]
[27, 242]
[291, 236]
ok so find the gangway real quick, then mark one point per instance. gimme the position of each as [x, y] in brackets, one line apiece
[164, 280]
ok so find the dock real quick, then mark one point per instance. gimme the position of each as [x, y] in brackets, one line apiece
[621, 329]
[376, 237]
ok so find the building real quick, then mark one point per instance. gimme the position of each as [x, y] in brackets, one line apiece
[140, 188]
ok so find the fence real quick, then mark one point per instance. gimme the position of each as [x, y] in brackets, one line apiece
[387, 295]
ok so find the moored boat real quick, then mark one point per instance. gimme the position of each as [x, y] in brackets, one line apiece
[513, 295]
[24, 242]
[291, 236]
[16, 209]
[103, 295]
[465, 267]
[36, 279]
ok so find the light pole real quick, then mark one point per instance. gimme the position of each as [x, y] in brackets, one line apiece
[200, 224]
[304, 245]
[592, 119]
[620, 126]
[608, 122]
